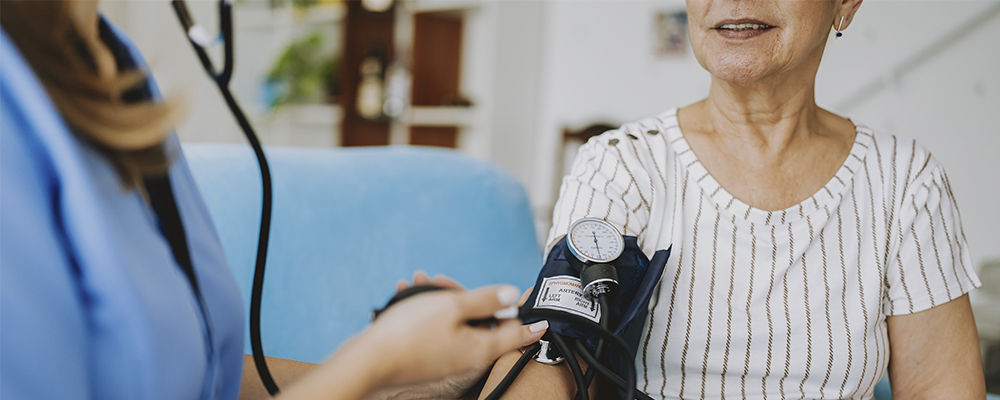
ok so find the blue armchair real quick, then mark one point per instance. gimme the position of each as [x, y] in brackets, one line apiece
[349, 223]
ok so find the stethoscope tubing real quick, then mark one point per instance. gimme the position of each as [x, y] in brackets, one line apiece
[514, 372]
[596, 365]
[222, 81]
[591, 326]
[605, 304]
[582, 388]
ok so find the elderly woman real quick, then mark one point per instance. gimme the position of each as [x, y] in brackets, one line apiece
[809, 255]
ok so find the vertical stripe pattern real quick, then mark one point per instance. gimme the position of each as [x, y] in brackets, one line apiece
[781, 304]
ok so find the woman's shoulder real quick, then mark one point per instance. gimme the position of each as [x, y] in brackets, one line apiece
[899, 170]
[642, 152]
[641, 140]
[900, 160]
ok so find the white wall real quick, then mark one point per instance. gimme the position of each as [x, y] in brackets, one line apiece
[516, 103]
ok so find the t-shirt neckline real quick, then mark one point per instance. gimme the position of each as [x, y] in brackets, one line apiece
[723, 200]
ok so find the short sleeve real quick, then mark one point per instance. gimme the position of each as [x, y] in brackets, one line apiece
[607, 181]
[931, 265]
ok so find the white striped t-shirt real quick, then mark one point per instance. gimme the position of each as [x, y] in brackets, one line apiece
[782, 304]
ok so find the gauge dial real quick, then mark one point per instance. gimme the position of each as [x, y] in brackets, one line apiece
[594, 240]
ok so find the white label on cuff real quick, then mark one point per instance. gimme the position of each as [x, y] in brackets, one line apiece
[565, 293]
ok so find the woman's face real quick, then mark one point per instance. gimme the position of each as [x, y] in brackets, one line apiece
[744, 41]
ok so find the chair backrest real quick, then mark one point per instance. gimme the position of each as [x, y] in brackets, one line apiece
[348, 223]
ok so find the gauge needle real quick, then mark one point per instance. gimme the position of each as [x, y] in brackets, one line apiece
[595, 244]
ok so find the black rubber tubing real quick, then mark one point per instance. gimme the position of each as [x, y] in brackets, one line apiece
[582, 389]
[605, 304]
[514, 372]
[607, 373]
[586, 324]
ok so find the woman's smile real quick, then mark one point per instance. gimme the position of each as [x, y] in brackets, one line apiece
[742, 28]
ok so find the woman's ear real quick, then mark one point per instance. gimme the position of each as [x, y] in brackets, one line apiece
[846, 10]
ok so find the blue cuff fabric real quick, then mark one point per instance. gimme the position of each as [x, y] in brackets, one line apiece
[637, 277]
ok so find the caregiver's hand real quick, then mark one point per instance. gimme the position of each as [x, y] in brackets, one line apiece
[428, 337]
[453, 386]
[420, 339]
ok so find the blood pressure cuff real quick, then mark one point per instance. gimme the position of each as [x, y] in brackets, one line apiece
[558, 288]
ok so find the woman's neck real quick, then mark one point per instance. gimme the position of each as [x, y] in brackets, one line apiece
[769, 146]
[773, 113]
[770, 111]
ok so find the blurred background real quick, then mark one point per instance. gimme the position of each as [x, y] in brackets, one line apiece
[523, 83]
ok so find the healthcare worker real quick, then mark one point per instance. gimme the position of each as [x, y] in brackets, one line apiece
[98, 300]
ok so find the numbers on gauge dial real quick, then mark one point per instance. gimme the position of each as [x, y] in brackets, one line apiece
[595, 240]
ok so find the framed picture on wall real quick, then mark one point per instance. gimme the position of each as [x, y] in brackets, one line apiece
[670, 30]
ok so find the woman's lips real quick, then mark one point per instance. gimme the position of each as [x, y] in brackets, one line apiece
[742, 29]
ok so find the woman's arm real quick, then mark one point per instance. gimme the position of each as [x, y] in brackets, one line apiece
[284, 372]
[934, 354]
[597, 181]
[536, 381]
[417, 340]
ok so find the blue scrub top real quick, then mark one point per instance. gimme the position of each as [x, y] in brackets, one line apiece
[92, 302]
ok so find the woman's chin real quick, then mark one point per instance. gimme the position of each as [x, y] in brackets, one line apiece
[738, 72]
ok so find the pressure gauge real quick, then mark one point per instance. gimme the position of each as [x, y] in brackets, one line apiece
[594, 241]
[593, 245]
